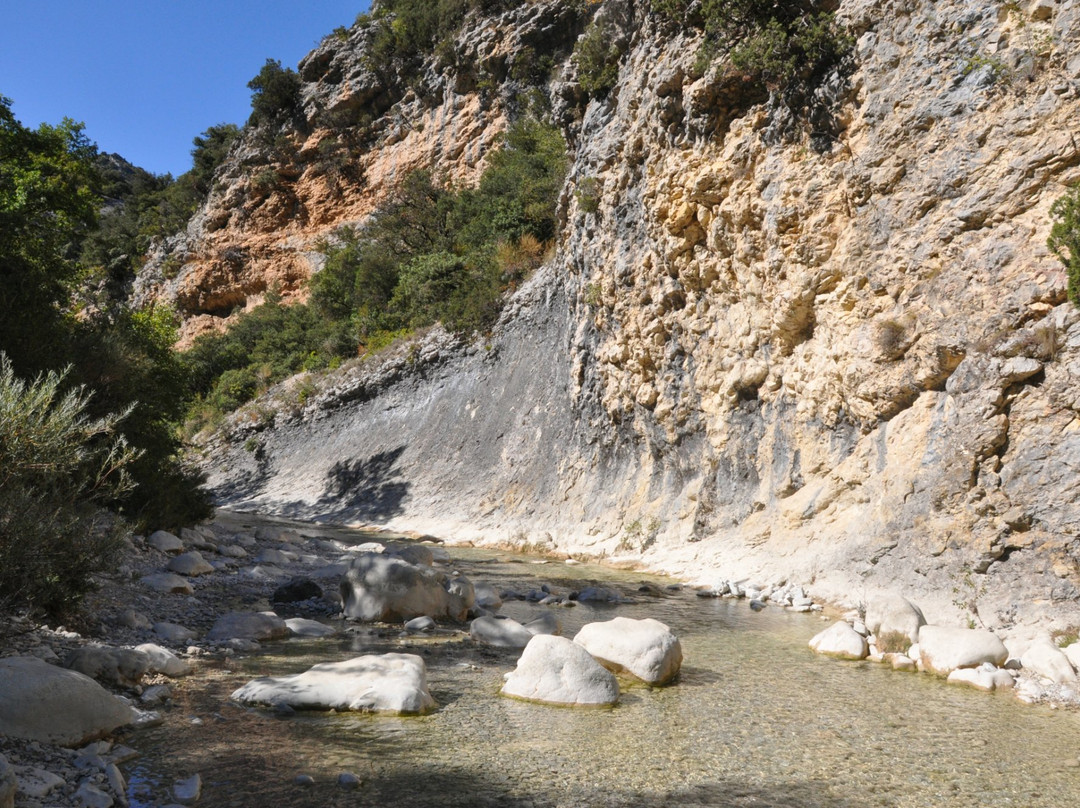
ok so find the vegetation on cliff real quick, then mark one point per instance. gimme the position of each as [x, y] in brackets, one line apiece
[432, 253]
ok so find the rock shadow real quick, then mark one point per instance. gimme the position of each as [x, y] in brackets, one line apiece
[370, 489]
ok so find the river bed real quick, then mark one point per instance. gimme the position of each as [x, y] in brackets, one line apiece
[755, 719]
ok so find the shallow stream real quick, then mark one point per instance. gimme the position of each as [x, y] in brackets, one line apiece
[755, 719]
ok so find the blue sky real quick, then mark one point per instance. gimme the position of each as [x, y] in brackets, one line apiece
[146, 76]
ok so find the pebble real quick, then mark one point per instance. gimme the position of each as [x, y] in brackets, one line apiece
[348, 781]
[304, 780]
[188, 790]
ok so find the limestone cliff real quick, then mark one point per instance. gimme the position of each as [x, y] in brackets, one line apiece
[837, 352]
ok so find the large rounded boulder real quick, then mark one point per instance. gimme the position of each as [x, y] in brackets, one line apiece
[841, 641]
[645, 648]
[943, 649]
[894, 620]
[555, 670]
[41, 702]
[385, 588]
[387, 683]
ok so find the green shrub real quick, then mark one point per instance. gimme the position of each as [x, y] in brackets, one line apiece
[275, 95]
[58, 466]
[597, 59]
[787, 46]
[1064, 240]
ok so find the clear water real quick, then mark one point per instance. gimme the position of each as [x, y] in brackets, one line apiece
[755, 719]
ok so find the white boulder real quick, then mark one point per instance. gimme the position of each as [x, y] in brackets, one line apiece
[840, 640]
[1046, 659]
[111, 666]
[164, 661]
[985, 677]
[645, 648]
[894, 620]
[1072, 653]
[165, 542]
[943, 649]
[554, 670]
[390, 589]
[387, 683]
[42, 702]
[190, 563]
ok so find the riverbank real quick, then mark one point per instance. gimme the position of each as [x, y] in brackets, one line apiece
[252, 754]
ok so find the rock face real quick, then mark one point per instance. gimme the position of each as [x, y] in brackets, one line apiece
[944, 649]
[555, 670]
[845, 358]
[390, 589]
[645, 648]
[44, 703]
[390, 683]
[840, 640]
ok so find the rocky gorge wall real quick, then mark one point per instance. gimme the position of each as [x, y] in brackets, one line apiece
[843, 357]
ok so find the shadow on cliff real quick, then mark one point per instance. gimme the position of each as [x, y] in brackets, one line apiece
[370, 489]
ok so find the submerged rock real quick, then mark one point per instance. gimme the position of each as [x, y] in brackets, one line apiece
[248, 626]
[390, 683]
[647, 648]
[42, 702]
[555, 670]
[301, 627]
[500, 632]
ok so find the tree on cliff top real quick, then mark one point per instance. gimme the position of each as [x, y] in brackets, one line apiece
[275, 95]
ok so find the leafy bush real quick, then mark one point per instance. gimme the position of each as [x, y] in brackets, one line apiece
[51, 181]
[406, 31]
[266, 345]
[275, 95]
[1064, 240]
[431, 253]
[597, 58]
[788, 47]
[58, 466]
